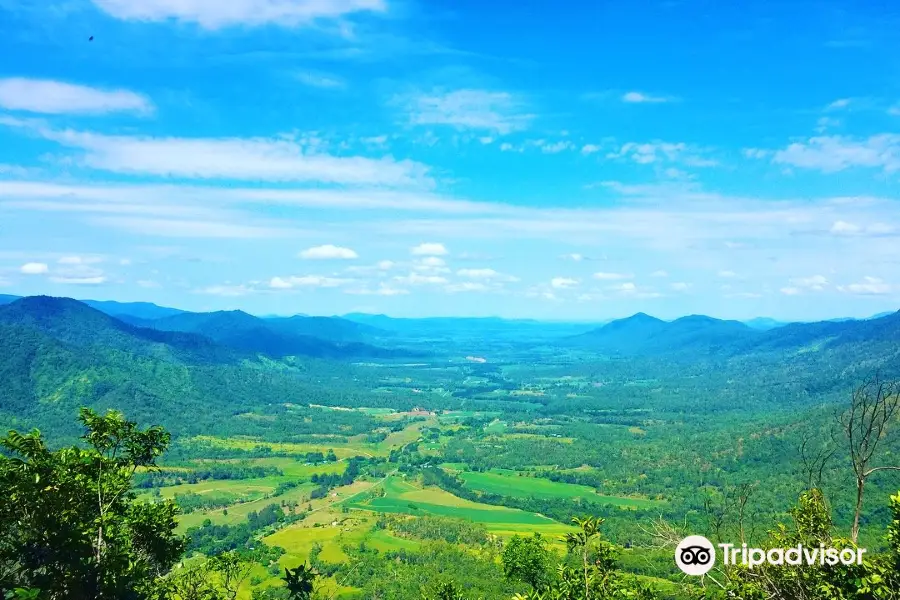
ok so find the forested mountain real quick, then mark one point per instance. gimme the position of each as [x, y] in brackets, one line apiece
[57, 354]
[135, 310]
[696, 335]
[280, 337]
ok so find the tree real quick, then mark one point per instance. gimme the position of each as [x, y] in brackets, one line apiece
[70, 525]
[865, 424]
[527, 560]
[233, 570]
[446, 590]
[300, 582]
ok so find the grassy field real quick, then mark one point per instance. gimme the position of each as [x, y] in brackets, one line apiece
[354, 446]
[403, 497]
[509, 483]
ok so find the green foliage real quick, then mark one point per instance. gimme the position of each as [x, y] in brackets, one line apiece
[877, 578]
[300, 582]
[69, 523]
[527, 559]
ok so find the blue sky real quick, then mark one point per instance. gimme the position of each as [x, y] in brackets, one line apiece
[523, 159]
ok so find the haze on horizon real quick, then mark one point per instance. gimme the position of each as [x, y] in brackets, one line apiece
[447, 159]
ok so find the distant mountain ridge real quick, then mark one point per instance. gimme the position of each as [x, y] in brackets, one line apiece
[642, 334]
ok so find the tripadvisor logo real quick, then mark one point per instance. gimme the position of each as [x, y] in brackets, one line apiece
[696, 555]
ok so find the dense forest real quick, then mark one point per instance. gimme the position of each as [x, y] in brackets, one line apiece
[156, 453]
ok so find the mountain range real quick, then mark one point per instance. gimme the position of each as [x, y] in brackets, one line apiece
[60, 353]
[698, 335]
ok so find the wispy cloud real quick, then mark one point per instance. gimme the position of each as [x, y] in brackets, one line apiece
[497, 112]
[429, 249]
[313, 281]
[58, 97]
[216, 15]
[642, 98]
[563, 283]
[269, 159]
[839, 104]
[612, 276]
[830, 154]
[658, 151]
[327, 252]
[869, 286]
[320, 80]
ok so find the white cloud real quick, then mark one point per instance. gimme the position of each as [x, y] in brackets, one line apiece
[612, 276]
[831, 154]
[80, 260]
[432, 261]
[285, 283]
[329, 251]
[191, 229]
[268, 159]
[486, 274]
[628, 289]
[727, 274]
[557, 147]
[498, 112]
[657, 151]
[894, 110]
[227, 289]
[844, 228]
[148, 284]
[429, 249]
[213, 14]
[642, 98]
[383, 289]
[95, 280]
[815, 283]
[34, 268]
[486, 140]
[478, 273]
[385, 265]
[823, 124]
[659, 273]
[869, 286]
[624, 287]
[57, 97]
[419, 279]
[320, 80]
[574, 256]
[467, 286]
[680, 286]
[838, 104]
[590, 149]
[791, 291]
[563, 283]
[757, 153]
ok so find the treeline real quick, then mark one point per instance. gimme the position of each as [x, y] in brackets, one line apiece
[327, 481]
[164, 477]
[425, 527]
[212, 539]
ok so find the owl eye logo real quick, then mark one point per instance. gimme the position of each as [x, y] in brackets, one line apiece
[695, 555]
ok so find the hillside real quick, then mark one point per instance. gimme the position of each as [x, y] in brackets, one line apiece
[78, 325]
[57, 354]
[696, 336]
[279, 337]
